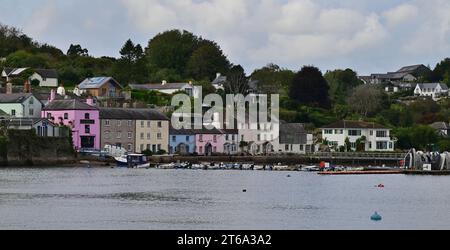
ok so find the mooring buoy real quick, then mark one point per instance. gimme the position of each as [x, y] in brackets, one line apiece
[376, 217]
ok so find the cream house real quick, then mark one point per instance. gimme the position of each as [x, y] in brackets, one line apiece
[375, 137]
[152, 132]
[434, 90]
[46, 78]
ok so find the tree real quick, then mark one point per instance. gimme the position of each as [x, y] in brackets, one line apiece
[237, 83]
[309, 87]
[77, 50]
[341, 83]
[206, 61]
[366, 100]
[273, 79]
[171, 50]
[131, 67]
[441, 72]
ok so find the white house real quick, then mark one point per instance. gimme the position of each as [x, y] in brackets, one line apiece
[443, 128]
[295, 140]
[262, 138]
[21, 105]
[374, 136]
[434, 90]
[12, 72]
[170, 88]
[46, 77]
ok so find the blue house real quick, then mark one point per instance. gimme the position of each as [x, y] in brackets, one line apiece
[181, 141]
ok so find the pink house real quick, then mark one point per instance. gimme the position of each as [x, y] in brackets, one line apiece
[209, 142]
[83, 118]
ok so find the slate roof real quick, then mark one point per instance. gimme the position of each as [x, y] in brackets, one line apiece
[157, 86]
[13, 71]
[205, 131]
[354, 124]
[97, 82]
[181, 131]
[47, 73]
[440, 125]
[219, 80]
[14, 98]
[132, 114]
[293, 133]
[433, 85]
[68, 105]
[410, 69]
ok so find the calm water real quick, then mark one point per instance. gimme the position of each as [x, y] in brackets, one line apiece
[80, 198]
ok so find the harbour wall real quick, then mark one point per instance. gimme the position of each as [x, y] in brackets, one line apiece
[25, 148]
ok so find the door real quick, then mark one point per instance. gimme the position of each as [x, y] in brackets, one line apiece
[87, 141]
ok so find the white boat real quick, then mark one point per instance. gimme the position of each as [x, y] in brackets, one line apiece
[167, 166]
[280, 167]
[310, 168]
[132, 161]
[259, 167]
[247, 166]
[197, 166]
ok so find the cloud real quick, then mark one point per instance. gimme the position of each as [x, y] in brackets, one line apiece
[41, 19]
[400, 14]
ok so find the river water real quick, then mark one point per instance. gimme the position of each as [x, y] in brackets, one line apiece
[103, 198]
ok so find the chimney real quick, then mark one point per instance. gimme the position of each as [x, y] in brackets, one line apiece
[52, 96]
[9, 88]
[190, 83]
[27, 87]
[218, 75]
[164, 82]
[90, 101]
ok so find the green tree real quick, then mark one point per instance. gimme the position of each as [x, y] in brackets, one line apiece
[273, 79]
[366, 100]
[309, 87]
[342, 82]
[206, 61]
[77, 50]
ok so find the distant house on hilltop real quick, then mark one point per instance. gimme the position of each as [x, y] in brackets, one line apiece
[434, 90]
[406, 74]
[12, 72]
[101, 87]
[443, 128]
[46, 77]
[169, 88]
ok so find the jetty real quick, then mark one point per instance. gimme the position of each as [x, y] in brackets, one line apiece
[369, 172]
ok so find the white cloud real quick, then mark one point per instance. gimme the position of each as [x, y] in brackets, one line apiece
[41, 19]
[400, 14]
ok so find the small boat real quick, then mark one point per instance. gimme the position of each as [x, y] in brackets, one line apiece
[247, 166]
[259, 167]
[132, 161]
[310, 169]
[214, 167]
[167, 166]
[197, 166]
[280, 167]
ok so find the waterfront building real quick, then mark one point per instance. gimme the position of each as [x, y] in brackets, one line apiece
[232, 142]
[295, 140]
[371, 136]
[20, 105]
[260, 138]
[152, 131]
[182, 141]
[100, 87]
[118, 128]
[82, 118]
[42, 126]
[209, 141]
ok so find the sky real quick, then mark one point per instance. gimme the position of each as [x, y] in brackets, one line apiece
[369, 36]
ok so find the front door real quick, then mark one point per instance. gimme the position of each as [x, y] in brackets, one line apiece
[87, 141]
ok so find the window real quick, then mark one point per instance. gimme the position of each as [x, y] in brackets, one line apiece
[66, 116]
[200, 138]
[107, 123]
[159, 136]
[242, 138]
[215, 138]
[130, 135]
[87, 116]
[119, 123]
[142, 147]
[259, 137]
[354, 133]
[159, 147]
[187, 138]
[148, 146]
[382, 145]
[302, 147]
[154, 148]
[130, 123]
[142, 124]
[339, 131]
[130, 147]
[382, 134]
[227, 137]
[149, 136]
[287, 148]
[159, 124]
[328, 131]
[13, 112]
[87, 129]
[142, 136]
[106, 135]
[31, 112]
[174, 138]
[371, 132]
[353, 145]
[149, 124]
[391, 145]
[49, 116]
[31, 101]
[119, 135]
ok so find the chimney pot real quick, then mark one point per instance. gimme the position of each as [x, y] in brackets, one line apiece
[90, 101]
